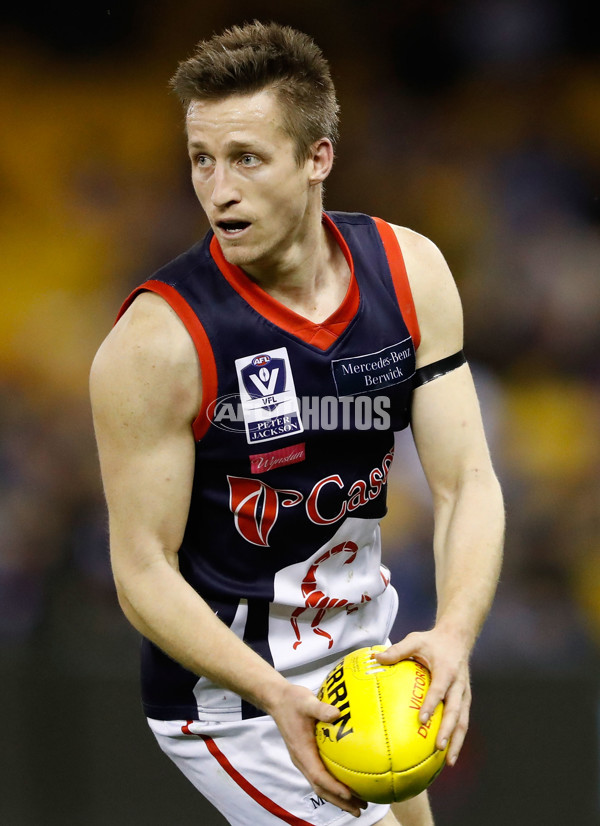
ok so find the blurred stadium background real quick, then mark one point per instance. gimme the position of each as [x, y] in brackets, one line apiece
[475, 122]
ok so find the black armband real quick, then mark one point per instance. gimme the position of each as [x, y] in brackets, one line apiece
[438, 368]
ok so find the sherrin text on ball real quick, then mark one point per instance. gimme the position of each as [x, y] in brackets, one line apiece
[377, 746]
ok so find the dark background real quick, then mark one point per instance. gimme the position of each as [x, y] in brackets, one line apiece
[475, 122]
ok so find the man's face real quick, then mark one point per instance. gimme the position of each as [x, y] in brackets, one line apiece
[247, 179]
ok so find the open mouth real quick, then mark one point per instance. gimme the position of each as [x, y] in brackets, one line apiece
[233, 227]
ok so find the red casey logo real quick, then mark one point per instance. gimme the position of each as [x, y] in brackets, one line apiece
[255, 505]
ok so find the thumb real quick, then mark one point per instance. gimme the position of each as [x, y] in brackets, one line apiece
[325, 712]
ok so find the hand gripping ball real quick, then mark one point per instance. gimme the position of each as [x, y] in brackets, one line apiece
[377, 746]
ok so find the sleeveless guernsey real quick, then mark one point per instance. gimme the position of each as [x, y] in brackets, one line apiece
[294, 442]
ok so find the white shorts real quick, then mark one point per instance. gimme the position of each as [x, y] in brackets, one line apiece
[245, 771]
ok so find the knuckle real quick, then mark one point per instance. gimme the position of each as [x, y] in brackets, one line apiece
[297, 763]
[436, 693]
[321, 778]
[452, 673]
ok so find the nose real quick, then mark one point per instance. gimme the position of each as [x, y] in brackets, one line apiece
[225, 190]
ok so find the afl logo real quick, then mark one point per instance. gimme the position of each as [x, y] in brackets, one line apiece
[259, 361]
[268, 396]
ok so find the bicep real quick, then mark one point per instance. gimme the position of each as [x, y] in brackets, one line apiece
[147, 480]
[435, 295]
[144, 400]
[446, 419]
[448, 432]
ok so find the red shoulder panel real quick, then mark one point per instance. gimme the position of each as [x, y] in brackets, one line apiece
[400, 278]
[203, 348]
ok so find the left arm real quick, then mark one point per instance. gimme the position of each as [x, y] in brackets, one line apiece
[467, 501]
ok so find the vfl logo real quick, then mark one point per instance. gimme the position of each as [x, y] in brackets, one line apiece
[264, 379]
[255, 506]
[268, 396]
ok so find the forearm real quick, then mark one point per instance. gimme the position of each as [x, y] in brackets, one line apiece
[468, 544]
[163, 607]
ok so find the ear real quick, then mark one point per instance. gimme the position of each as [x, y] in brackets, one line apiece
[320, 161]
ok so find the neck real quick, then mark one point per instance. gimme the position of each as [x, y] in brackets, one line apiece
[313, 278]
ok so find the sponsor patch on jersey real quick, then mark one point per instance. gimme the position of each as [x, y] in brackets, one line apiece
[262, 462]
[375, 371]
[268, 396]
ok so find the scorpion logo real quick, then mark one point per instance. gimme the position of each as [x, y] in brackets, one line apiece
[315, 598]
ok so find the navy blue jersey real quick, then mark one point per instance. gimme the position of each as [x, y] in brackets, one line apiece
[294, 442]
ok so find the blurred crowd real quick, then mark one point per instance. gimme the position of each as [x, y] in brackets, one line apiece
[475, 122]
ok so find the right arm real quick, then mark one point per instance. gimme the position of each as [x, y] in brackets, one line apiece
[145, 389]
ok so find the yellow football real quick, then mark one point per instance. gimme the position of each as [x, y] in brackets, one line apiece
[377, 746]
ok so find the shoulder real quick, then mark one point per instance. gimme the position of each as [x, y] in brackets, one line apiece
[148, 333]
[352, 218]
[147, 361]
[435, 295]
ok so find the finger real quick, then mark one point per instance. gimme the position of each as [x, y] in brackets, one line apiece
[346, 800]
[326, 786]
[411, 646]
[306, 758]
[352, 805]
[455, 715]
[460, 730]
[451, 714]
[438, 690]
